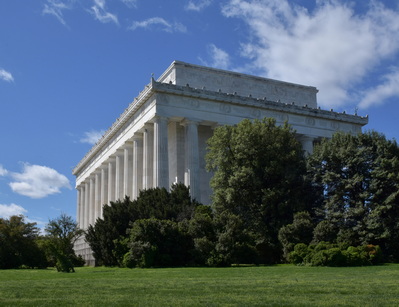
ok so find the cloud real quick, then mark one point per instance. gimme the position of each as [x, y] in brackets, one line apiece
[330, 47]
[198, 5]
[100, 13]
[38, 181]
[6, 76]
[3, 171]
[389, 88]
[158, 23]
[56, 8]
[130, 3]
[9, 210]
[91, 137]
[219, 58]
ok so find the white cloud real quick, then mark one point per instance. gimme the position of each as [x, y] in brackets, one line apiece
[100, 13]
[159, 23]
[91, 137]
[197, 5]
[219, 58]
[38, 181]
[9, 210]
[389, 88]
[3, 171]
[330, 47]
[130, 3]
[6, 76]
[56, 8]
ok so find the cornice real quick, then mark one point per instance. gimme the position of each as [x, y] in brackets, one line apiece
[263, 103]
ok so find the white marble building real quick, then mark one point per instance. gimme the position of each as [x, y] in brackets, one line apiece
[161, 137]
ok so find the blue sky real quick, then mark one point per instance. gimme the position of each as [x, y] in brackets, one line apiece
[69, 68]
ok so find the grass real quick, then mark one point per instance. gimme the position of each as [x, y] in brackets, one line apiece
[282, 285]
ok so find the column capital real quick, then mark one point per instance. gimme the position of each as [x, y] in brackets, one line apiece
[137, 136]
[148, 126]
[159, 118]
[307, 143]
[190, 121]
[128, 144]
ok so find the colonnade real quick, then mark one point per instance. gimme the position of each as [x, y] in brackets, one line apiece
[142, 162]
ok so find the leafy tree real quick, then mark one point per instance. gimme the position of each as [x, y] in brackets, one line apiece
[160, 243]
[259, 177]
[300, 231]
[18, 244]
[62, 233]
[107, 236]
[201, 227]
[359, 179]
[103, 234]
[235, 243]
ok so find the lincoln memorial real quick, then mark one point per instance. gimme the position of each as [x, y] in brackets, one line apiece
[160, 138]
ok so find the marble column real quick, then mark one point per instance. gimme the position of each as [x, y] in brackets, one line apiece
[161, 161]
[176, 152]
[148, 151]
[82, 207]
[92, 201]
[128, 169]
[104, 189]
[97, 196]
[87, 205]
[191, 176]
[137, 165]
[111, 180]
[119, 158]
[79, 207]
[307, 143]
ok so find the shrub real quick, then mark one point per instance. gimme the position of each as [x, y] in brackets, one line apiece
[327, 254]
[156, 242]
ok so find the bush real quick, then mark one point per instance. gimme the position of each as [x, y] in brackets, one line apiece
[327, 254]
[159, 243]
[301, 230]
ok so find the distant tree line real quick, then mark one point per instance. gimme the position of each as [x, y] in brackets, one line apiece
[271, 203]
[22, 245]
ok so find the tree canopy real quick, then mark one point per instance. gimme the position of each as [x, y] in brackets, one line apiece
[358, 176]
[107, 234]
[62, 233]
[259, 172]
[18, 245]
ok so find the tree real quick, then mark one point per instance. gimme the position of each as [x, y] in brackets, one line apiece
[201, 227]
[107, 236]
[155, 242]
[300, 231]
[62, 233]
[18, 246]
[358, 176]
[259, 173]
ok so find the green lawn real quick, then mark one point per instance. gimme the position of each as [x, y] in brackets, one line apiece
[282, 285]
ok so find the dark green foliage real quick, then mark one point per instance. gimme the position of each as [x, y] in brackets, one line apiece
[202, 231]
[328, 254]
[235, 243]
[300, 231]
[267, 198]
[259, 177]
[18, 244]
[358, 177]
[106, 237]
[103, 235]
[62, 233]
[159, 243]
